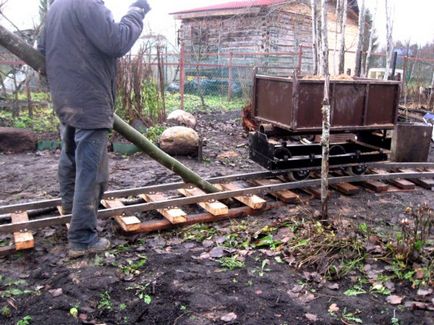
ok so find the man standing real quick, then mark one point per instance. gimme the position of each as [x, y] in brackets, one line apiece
[81, 43]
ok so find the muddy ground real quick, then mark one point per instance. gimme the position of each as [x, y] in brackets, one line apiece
[204, 274]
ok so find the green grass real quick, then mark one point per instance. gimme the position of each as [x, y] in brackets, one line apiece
[44, 120]
[192, 103]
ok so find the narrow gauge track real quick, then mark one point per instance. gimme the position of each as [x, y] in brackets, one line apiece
[21, 218]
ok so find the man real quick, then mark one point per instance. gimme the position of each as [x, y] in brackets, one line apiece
[81, 43]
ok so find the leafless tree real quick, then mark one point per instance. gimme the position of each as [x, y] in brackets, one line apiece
[389, 38]
[342, 27]
[325, 139]
[371, 40]
[360, 39]
[315, 36]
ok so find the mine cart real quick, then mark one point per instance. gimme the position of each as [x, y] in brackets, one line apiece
[287, 108]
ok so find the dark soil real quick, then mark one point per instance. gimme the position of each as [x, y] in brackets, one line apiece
[182, 280]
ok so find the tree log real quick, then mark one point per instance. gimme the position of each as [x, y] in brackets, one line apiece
[36, 60]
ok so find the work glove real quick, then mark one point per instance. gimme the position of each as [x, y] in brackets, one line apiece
[142, 4]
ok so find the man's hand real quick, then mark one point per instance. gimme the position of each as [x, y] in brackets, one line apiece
[142, 4]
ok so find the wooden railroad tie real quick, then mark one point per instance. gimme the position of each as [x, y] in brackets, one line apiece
[400, 183]
[426, 183]
[60, 210]
[215, 208]
[128, 224]
[285, 196]
[174, 215]
[253, 201]
[23, 239]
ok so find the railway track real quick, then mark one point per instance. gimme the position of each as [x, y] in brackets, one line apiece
[169, 201]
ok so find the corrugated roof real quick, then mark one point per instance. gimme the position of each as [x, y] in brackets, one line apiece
[232, 5]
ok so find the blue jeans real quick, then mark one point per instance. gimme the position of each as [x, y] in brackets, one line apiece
[83, 176]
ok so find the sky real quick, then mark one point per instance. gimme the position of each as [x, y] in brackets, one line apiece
[413, 20]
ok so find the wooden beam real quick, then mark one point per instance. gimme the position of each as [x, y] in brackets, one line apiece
[286, 196]
[252, 201]
[128, 224]
[174, 215]
[346, 188]
[375, 186]
[22, 239]
[60, 210]
[399, 183]
[216, 208]
[6, 250]
[426, 183]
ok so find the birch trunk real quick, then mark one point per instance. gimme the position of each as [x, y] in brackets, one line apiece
[36, 60]
[325, 139]
[314, 5]
[431, 95]
[389, 44]
[342, 37]
[360, 39]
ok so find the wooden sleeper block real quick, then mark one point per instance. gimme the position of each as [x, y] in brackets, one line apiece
[285, 196]
[23, 239]
[128, 224]
[216, 208]
[174, 215]
[252, 201]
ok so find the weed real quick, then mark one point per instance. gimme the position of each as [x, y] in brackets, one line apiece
[26, 320]
[141, 292]
[268, 241]
[231, 262]
[105, 302]
[133, 267]
[199, 232]
[122, 307]
[380, 289]
[154, 132]
[6, 312]
[355, 291]
[73, 311]
[261, 270]
[13, 288]
[351, 317]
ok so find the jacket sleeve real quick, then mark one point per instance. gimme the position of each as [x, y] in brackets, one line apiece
[113, 39]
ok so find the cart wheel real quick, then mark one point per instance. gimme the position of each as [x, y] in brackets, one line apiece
[298, 175]
[356, 170]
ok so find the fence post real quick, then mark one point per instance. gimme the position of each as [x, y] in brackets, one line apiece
[182, 74]
[231, 55]
[300, 58]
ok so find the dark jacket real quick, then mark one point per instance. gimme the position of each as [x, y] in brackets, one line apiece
[81, 42]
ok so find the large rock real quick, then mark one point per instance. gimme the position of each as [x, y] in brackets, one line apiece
[17, 140]
[180, 117]
[179, 140]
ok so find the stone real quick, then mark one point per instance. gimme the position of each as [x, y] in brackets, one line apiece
[181, 118]
[179, 140]
[15, 140]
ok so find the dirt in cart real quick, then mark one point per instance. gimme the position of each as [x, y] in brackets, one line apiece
[280, 267]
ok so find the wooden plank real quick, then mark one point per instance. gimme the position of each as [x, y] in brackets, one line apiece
[399, 183]
[252, 201]
[216, 208]
[128, 224]
[286, 196]
[426, 183]
[6, 250]
[174, 215]
[60, 210]
[22, 239]
[314, 191]
[346, 188]
[375, 186]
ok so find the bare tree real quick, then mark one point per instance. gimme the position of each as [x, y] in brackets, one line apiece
[325, 139]
[360, 39]
[342, 27]
[315, 36]
[431, 95]
[371, 40]
[389, 39]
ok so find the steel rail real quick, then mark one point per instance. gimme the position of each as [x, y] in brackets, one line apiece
[43, 204]
[176, 202]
